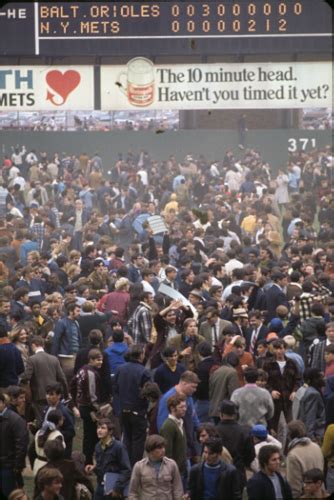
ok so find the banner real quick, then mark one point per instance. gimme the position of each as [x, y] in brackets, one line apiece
[141, 84]
[28, 88]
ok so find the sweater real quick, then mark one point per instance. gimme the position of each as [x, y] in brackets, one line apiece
[176, 443]
[166, 378]
[254, 403]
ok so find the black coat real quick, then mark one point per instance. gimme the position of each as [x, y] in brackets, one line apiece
[275, 297]
[229, 485]
[239, 443]
[14, 440]
[113, 458]
[260, 487]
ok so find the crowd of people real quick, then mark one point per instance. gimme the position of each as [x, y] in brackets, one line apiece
[189, 360]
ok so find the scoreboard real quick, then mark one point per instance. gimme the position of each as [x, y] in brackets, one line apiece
[121, 28]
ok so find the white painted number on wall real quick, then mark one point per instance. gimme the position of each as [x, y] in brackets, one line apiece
[301, 144]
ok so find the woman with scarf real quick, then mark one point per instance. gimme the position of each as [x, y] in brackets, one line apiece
[48, 432]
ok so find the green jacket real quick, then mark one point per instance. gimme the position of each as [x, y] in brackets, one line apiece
[176, 443]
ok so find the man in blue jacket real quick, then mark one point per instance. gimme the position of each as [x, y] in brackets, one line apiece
[67, 339]
[269, 484]
[111, 457]
[129, 379]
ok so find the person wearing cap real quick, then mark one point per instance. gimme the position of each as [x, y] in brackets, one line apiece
[236, 438]
[240, 321]
[283, 382]
[261, 437]
[255, 405]
[275, 294]
[268, 483]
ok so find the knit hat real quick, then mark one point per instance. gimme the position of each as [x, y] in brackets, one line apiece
[259, 431]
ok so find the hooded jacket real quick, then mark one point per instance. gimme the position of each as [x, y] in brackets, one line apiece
[115, 354]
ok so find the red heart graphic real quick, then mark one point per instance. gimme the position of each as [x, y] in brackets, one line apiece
[63, 83]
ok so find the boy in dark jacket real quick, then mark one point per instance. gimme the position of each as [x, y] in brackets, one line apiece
[110, 456]
[86, 393]
[213, 478]
[269, 484]
[14, 443]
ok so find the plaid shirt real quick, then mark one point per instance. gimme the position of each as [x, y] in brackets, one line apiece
[141, 324]
[39, 230]
[306, 300]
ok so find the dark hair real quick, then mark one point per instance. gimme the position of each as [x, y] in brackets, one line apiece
[56, 387]
[266, 453]
[108, 423]
[312, 376]
[279, 343]
[37, 340]
[204, 349]
[251, 375]
[20, 292]
[314, 475]
[14, 391]
[135, 351]
[214, 445]
[153, 442]
[169, 351]
[151, 390]
[94, 354]
[46, 476]
[54, 450]
[232, 359]
[329, 348]
[174, 401]
[70, 307]
[117, 336]
[95, 336]
[209, 428]
[296, 429]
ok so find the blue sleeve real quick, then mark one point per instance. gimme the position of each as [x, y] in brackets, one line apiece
[56, 338]
[162, 412]
[195, 418]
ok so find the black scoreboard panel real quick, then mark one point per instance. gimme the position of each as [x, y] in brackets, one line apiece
[174, 28]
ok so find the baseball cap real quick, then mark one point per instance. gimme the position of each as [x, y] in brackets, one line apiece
[260, 431]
